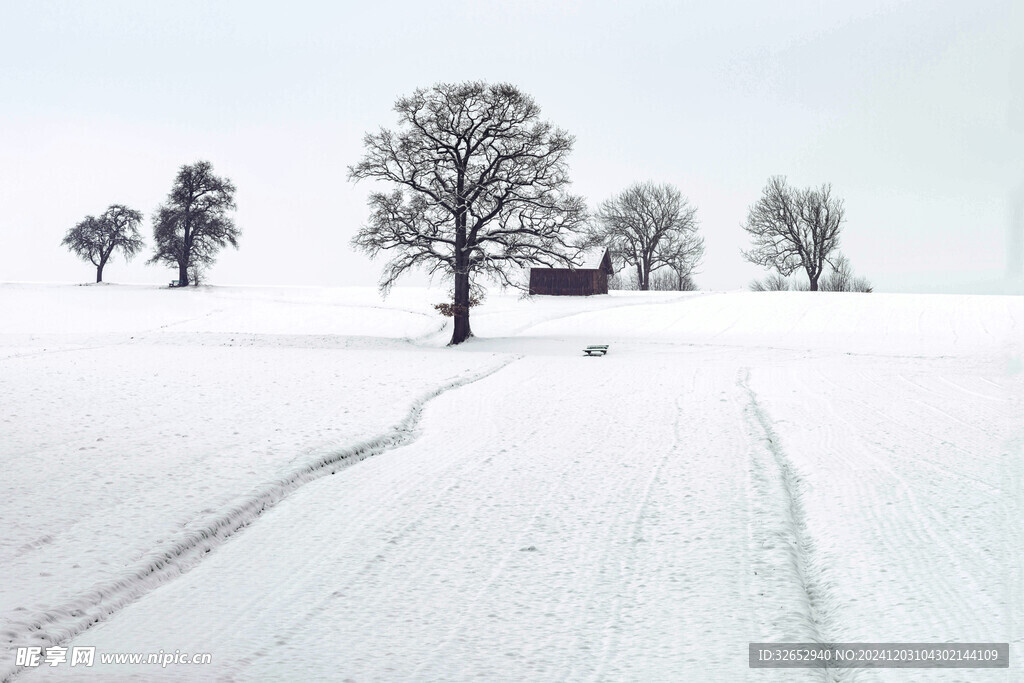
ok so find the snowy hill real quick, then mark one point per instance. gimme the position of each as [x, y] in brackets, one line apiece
[306, 483]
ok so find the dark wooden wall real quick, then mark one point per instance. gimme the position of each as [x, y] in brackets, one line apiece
[568, 282]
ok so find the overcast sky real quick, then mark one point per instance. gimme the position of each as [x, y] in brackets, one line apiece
[914, 112]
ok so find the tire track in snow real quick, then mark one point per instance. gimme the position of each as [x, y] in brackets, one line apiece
[60, 624]
[813, 589]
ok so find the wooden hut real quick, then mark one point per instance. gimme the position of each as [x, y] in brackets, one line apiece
[591, 277]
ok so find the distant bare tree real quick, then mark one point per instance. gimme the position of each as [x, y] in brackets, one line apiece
[647, 226]
[194, 224]
[771, 283]
[480, 187]
[196, 273]
[95, 239]
[861, 284]
[841, 278]
[682, 252]
[794, 229]
[668, 280]
[662, 280]
[620, 282]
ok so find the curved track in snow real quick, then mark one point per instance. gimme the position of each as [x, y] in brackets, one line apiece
[187, 549]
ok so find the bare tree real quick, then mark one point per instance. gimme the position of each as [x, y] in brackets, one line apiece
[861, 284]
[647, 226]
[95, 239]
[771, 283]
[686, 284]
[794, 229]
[668, 280]
[193, 225]
[682, 252]
[479, 187]
[622, 283]
[840, 277]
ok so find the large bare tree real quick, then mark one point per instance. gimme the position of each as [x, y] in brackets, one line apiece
[794, 229]
[648, 226]
[194, 224]
[479, 186]
[95, 239]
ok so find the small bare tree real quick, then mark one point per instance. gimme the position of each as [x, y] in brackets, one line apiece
[480, 187]
[840, 277]
[668, 280]
[621, 282]
[647, 226]
[95, 239]
[794, 229]
[861, 284]
[194, 224]
[771, 283]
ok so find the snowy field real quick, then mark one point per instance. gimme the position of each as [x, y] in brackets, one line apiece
[308, 485]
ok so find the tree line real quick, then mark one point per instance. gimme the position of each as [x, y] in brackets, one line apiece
[478, 187]
[189, 228]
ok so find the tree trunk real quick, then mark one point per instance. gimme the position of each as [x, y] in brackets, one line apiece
[104, 257]
[462, 331]
[461, 296]
[814, 284]
[186, 252]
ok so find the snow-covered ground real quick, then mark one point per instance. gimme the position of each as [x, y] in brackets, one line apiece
[307, 485]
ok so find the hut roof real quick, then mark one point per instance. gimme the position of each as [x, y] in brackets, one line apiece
[594, 259]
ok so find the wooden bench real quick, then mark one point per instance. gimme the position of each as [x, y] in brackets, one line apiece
[596, 350]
